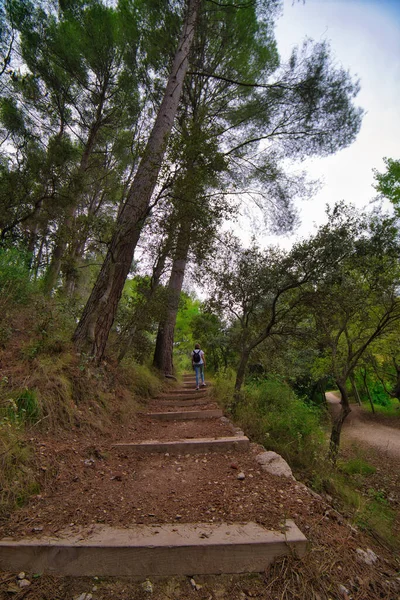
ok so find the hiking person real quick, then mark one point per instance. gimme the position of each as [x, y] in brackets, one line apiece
[198, 363]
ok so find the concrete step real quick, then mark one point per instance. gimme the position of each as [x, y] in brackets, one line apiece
[170, 397]
[164, 550]
[186, 415]
[187, 402]
[188, 446]
[181, 394]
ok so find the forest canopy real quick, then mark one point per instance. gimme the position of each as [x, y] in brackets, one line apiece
[131, 134]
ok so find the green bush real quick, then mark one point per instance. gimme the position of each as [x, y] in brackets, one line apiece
[357, 466]
[273, 416]
[15, 283]
[141, 379]
[223, 387]
[28, 406]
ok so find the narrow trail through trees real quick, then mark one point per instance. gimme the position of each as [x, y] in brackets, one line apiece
[381, 437]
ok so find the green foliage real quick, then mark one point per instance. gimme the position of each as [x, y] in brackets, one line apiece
[223, 387]
[272, 415]
[184, 340]
[15, 282]
[388, 183]
[28, 406]
[143, 381]
[356, 466]
[17, 476]
[211, 333]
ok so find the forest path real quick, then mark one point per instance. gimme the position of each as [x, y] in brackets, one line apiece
[166, 496]
[381, 437]
[97, 501]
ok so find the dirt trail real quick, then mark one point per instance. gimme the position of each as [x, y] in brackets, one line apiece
[382, 437]
[86, 483]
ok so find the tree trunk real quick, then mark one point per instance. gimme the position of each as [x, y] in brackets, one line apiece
[355, 390]
[364, 374]
[163, 354]
[65, 228]
[140, 318]
[244, 359]
[338, 421]
[98, 316]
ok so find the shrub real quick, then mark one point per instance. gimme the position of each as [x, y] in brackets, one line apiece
[143, 382]
[15, 283]
[223, 387]
[272, 415]
[357, 466]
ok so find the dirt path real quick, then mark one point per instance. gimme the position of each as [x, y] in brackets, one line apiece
[381, 437]
[86, 484]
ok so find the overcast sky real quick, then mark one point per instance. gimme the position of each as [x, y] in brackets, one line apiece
[365, 39]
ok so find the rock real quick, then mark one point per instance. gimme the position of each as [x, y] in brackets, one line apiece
[369, 557]
[21, 575]
[344, 591]
[89, 462]
[274, 464]
[24, 583]
[241, 476]
[195, 586]
[147, 586]
[234, 466]
[84, 596]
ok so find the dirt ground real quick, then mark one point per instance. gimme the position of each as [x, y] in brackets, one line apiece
[85, 481]
[372, 430]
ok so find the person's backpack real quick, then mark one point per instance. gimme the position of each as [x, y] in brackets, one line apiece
[196, 356]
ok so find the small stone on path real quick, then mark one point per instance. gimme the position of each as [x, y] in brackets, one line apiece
[369, 557]
[147, 586]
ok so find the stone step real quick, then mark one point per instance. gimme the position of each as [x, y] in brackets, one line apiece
[186, 402]
[156, 551]
[187, 446]
[170, 397]
[186, 415]
[184, 393]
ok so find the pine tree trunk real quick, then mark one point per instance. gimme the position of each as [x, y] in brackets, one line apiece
[163, 354]
[65, 228]
[98, 316]
[140, 316]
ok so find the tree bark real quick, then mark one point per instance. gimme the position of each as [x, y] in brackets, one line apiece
[140, 317]
[98, 316]
[65, 227]
[241, 371]
[338, 421]
[163, 354]
[355, 390]
[364, 374]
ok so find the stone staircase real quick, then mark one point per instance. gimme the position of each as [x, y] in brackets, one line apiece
[167, 549]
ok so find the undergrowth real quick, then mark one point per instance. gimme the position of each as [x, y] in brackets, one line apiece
[47, 387]
[272, 415]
